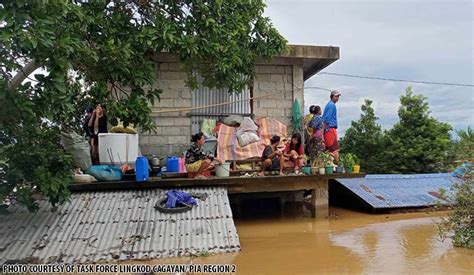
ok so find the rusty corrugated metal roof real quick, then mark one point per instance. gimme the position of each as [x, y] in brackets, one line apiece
[398, 191]
[101, 226]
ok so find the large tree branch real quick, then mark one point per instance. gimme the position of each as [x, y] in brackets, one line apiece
[23, 74]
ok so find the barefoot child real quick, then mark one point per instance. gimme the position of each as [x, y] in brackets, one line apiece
[272, 158]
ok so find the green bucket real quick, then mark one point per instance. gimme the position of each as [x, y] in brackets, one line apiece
[329, 169]
[306, 170]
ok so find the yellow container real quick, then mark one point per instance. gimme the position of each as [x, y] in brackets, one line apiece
[356, 168]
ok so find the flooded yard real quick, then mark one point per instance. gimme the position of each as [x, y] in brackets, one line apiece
[348, 242]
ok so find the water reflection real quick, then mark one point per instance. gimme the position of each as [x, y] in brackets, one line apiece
[403, 246]
[349, 242]
[393, 247]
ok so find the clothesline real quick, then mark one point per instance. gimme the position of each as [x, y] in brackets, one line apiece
[210, 106]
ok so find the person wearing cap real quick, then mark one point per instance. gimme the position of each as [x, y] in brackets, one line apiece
[272, 157]
[330, 125]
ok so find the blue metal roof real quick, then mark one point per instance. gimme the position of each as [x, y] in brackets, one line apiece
[397, 191]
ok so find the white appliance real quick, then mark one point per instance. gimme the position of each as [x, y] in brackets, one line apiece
[118, 148]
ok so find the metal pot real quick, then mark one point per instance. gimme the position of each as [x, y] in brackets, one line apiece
[155, 162]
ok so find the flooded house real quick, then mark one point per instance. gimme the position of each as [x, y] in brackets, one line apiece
[283, 78]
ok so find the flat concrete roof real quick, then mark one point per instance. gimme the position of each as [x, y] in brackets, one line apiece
[312, 58]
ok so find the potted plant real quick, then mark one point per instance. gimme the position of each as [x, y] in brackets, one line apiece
[307, 168]
[327, 163]
[340, 166]
[315, 166]
[348, 162]
[356, 166]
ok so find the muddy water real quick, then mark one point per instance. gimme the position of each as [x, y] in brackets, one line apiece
[348, 242]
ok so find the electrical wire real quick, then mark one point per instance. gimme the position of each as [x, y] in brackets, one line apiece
[318, 88]
[397, 80]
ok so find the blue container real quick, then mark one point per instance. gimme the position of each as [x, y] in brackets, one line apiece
[141, 169]
[172, 164]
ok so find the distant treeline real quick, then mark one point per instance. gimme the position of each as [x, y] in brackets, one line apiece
[417, 143]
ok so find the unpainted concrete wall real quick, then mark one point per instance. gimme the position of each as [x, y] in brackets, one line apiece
[283, 82]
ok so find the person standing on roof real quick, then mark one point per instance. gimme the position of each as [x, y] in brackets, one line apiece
[315, 146]
[330, 125]
[307, 120]
[97, 124]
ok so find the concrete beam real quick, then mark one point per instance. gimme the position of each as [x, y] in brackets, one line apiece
[313, 59]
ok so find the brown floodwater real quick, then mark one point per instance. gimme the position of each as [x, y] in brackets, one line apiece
[347, 242]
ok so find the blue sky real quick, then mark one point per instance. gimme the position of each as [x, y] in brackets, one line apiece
[418, 40]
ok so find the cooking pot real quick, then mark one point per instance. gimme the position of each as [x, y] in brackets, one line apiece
[155, 162]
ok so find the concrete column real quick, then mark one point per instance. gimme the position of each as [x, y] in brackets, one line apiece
[320, 200]
[298, 83]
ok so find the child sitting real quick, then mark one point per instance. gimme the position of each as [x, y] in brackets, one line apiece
[294, 152]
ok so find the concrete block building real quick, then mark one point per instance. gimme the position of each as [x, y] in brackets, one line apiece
[276, 85]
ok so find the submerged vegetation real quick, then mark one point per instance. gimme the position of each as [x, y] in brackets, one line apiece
[459, 224]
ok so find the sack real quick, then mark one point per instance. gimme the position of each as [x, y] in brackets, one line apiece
[233, 120]
[105, 172]
[247, 132]
[247, 138]
[79, 148]
[247, 125]
[83, 178]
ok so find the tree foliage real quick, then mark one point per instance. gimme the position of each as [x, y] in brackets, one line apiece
[103, 52]
[417, 143]
[459, 225]
[364, 139]
[464, 146]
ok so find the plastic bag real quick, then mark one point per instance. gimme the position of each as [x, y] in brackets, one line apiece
[207, 127]
[105, 172]
[79, 148]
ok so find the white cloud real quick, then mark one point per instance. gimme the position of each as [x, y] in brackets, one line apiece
[419, 40]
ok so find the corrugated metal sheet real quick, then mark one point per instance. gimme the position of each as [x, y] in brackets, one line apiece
[397, 191]
[204, 96]
[96, 226]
